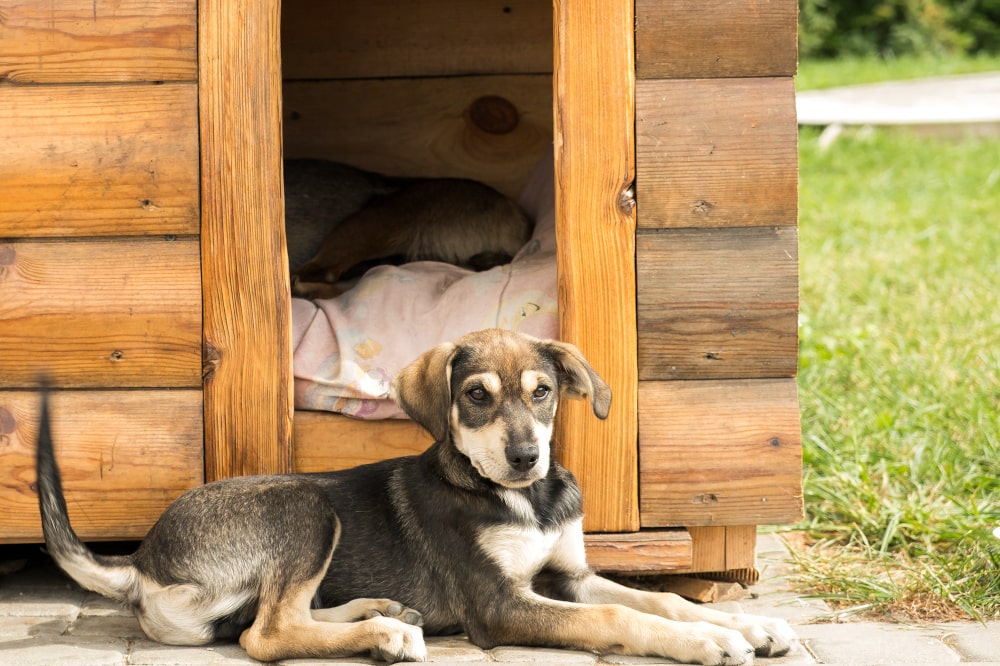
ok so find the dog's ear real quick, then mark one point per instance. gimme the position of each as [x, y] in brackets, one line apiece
[577, 379]
[423, 389]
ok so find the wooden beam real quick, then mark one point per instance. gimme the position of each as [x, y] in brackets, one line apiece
[101, 312]
[99, 160]
[98, 41]
[124, 455]
[247, 347]
[719, 453]
[652, 552]
[678, 39]
[595, 222]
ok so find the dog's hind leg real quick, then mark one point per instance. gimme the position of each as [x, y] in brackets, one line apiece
[285, 628]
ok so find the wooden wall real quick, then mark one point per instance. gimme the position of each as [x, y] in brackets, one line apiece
[100, 283]
[717, 263]
[424, 88]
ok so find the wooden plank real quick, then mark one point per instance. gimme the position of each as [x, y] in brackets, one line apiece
[741, 547]
[99, 160]
[701, 590]
[101, 313]
[324, 441]
[247, 334]
[678, 39]
[124, 456]
[720, 452]
[652, 552]
[716, 153]
[595, 223]
[708, 548]
[94, 41]
[717, 303]
[384, 38]
[492, 129]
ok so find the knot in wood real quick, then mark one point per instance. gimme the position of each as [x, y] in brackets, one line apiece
[494, 114]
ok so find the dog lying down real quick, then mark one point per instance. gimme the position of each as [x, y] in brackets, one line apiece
[479, 534]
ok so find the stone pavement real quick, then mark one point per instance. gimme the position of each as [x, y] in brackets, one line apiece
[45, 620]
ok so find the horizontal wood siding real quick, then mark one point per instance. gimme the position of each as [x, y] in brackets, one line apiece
[124, 456]
[678, 39]
[325, 441]
[718, 303]
[100, 160]
[716, 153]
[94, 41]
[490, 128]
[720, 452]
[100, 261]
[101, 312]
[717, 271]
[387, 38]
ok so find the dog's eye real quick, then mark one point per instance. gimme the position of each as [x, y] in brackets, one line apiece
[478, 394]
[541, 392]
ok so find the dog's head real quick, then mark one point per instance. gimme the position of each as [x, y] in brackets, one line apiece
[493, 394]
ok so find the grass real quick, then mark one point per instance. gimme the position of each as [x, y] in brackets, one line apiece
[816, 74]
[900, 372]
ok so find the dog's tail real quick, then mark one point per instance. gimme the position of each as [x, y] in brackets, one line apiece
[112, 577]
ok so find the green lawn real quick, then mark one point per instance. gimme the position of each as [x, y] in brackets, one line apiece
[900, 370]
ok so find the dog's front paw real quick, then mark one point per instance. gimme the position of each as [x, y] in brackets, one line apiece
[398, 641]
[712, 645]
[770, 637]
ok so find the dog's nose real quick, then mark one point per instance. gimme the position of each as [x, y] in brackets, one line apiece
[522, 457]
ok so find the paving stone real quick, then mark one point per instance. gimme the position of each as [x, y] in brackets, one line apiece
[42, 602]
[870, 643]
[453, 649]
[147, 653]
[114, 625]
[972, 640]
[63, 651]
[29, 626]
[524, 655]
[98, 606]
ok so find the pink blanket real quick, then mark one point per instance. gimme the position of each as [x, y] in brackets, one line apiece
[347, 349]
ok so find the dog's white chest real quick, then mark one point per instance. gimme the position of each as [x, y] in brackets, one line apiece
[521, 552]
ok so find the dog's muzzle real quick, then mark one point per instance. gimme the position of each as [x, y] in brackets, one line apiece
[522, 457]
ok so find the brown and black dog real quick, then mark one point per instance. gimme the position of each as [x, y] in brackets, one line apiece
[482, 534]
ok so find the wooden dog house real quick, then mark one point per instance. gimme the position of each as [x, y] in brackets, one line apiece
[143, 267]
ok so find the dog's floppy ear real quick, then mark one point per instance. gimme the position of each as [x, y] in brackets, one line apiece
[423, 389]
[577, 379]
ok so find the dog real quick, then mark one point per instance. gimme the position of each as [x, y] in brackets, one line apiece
[368, 220]
[481, 534]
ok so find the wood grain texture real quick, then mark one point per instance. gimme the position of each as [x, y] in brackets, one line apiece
[99, 160]
[595, 224]
[729, 548]
[677, 39]
[95, 41]
[716, 153]
[385, 38]
[717, 303]
[101, 312]
[247, 337]
[124, 457]
[650, 552]
[324, 441]
[422, 127]
[720, 452]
